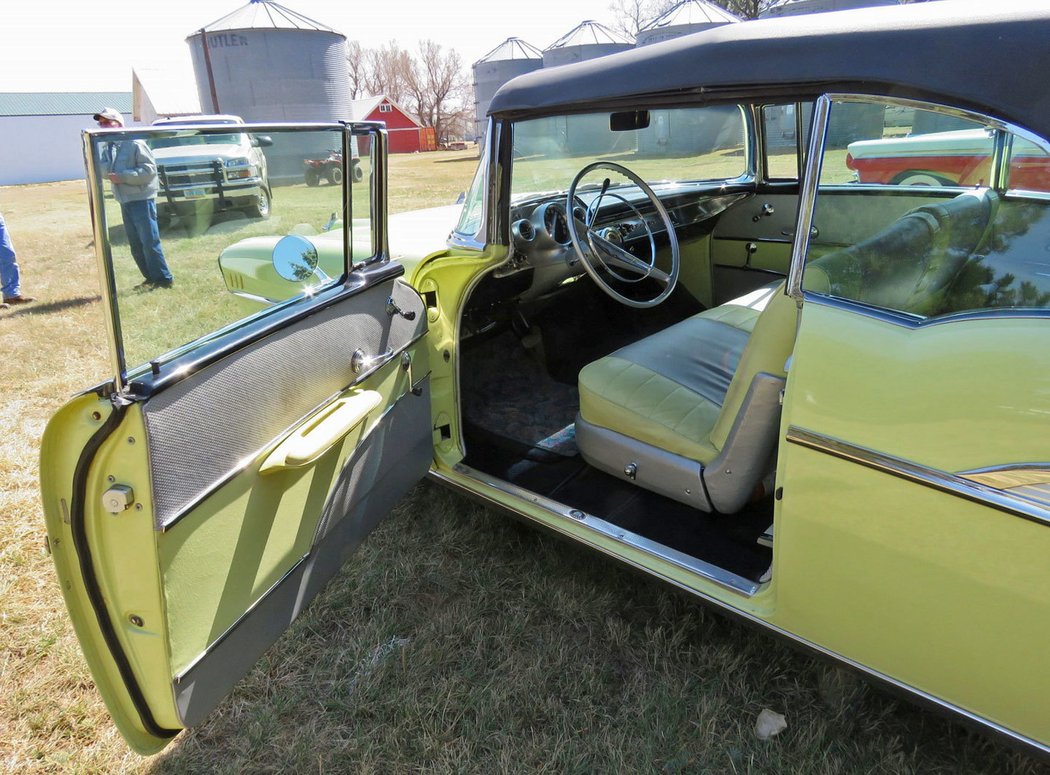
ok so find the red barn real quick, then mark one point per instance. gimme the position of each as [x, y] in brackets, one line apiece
[406, 134]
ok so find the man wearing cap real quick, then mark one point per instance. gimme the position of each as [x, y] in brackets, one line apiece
[132, 171]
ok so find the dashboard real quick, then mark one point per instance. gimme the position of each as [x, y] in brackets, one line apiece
[540, 238]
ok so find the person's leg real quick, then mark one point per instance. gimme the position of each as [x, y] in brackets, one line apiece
[9, 277]
[154, 254]
[133, 214]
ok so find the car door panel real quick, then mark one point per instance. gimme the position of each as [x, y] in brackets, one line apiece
[752, 242]
[884, 424]
[382, 467]
[204, 426]
[212, 558]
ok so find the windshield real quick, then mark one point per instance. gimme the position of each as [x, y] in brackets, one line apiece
[169, 142]
[679, 145]
[474, 204]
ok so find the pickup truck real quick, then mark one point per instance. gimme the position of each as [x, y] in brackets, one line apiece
[226, 171]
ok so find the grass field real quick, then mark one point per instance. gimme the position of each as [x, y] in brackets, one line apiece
[454, 641]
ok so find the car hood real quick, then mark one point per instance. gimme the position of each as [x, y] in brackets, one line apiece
[191, 153]
[418, 233]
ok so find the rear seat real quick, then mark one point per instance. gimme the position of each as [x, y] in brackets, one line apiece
[910, 265]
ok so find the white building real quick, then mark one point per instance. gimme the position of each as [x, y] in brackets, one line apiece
[163, 93]
[40, 133]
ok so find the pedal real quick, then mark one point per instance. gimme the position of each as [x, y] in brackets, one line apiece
[766, 539]
[533, 344]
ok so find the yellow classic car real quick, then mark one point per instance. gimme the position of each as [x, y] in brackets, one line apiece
[663, 327]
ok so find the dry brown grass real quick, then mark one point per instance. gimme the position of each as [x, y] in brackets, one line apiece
[453, 641]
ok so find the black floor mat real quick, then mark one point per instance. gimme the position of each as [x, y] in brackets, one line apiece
[507, 393]
[727, 541]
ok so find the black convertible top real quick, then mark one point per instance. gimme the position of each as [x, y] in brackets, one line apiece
[992, 57]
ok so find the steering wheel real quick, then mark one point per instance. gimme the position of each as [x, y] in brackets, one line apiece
[600, 253]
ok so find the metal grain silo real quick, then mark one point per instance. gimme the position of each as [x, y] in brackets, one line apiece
[264, 62]
[589, 40]
[797, 7]
[510, 58]
[687, 17]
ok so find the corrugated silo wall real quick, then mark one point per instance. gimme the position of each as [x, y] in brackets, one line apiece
[276, 75]
[588, 135]
[488, 77]
[566, 55]
[657, 34]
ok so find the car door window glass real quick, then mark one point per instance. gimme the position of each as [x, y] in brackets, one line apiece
[885, 144]
[940, 251]
[191, 220]
[780, 125]
[1029, 168]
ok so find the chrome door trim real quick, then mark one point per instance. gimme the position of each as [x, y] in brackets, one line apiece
[807, 196]
[705, 570]
[952, 484]
[757, 621]
[104, 263]
[908, 320]
[1010, 475]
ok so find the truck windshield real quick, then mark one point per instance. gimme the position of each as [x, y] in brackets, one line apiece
[169, 142]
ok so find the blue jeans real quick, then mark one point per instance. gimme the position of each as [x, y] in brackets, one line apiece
[9, 278]
[140, 224]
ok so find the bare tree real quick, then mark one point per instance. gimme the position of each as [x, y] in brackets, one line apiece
[387, 71]
[356, 65]
[438, 87]
[745, 9]
[630, 16]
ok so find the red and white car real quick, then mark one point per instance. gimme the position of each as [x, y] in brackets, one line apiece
[958, 158]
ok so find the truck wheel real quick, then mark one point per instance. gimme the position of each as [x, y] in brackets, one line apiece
[313, 177]
[358, 174]
[260, 208]
[335, 175]
[163, 218]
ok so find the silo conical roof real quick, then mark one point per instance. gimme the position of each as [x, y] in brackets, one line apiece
[510, 49]
[266, 15]
[690, 12]
[589, 33]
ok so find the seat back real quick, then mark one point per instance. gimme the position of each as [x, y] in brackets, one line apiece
[766, 352]
[910, 265]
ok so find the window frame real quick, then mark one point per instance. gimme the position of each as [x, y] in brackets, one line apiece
[144, 378]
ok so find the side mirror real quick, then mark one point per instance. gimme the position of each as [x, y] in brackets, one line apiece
[262, 141]
[295, 259]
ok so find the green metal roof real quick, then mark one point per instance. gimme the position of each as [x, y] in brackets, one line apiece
[74, 103]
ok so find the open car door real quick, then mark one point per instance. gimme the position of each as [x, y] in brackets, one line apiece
[197, 502]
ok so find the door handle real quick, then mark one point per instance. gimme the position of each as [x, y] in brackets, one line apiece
[321, 431]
